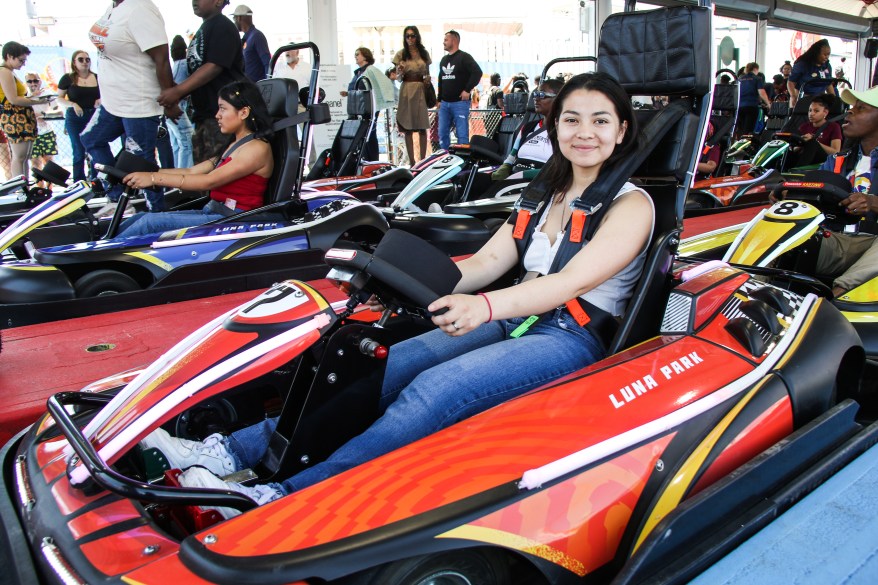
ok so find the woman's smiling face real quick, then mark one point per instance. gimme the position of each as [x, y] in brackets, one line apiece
[588, 128]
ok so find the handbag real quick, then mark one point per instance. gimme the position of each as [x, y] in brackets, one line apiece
[430, 94]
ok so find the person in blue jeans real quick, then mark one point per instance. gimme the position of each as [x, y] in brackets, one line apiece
[458, 75]
[485, 349]
[135, 67]
[79, 92]
[181, 129]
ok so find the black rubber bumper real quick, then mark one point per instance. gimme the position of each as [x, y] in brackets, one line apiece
[33, 284]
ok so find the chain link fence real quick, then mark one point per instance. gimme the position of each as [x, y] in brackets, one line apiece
[392, 142]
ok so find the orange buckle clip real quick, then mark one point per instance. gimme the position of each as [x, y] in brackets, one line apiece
[521, 224]
[577, 312]
[577, 223]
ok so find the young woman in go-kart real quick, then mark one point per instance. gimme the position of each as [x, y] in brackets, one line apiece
[237, 181]
[487, 349]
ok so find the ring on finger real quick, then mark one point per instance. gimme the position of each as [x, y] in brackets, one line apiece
[456, 327]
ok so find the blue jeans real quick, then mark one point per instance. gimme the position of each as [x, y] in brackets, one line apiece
[74, 125]
[459, 111]
[140, 139]
[141, 224]
[180, 131]
[434, 380]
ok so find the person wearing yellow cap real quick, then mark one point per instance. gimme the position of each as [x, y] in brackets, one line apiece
[852, 258]
[254, 44]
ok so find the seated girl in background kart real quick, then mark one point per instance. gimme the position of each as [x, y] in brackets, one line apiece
[816, 146]
[485, 349]
[237, 180]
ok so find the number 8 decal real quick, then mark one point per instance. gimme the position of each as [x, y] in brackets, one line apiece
[785, 208]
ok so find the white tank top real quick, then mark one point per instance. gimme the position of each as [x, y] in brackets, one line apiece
[611, 295]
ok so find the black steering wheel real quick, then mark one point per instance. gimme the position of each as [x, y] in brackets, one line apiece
[792, 138]
[116, 175]
[822, 189]
[404, 273]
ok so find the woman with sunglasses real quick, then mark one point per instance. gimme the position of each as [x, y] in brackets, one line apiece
[237, 180]
[413, 65]
[17, 116]
[531, 147]
[78, 91]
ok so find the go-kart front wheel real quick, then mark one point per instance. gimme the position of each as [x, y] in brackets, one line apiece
[462, 567]
[104, 282]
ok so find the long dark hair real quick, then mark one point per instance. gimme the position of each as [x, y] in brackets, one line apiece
[559, 171]
[74, 75]
[178, 48]
[240, 94]
[422, 50]
[810, 56]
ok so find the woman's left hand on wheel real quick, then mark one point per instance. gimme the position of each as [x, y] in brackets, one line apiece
[465, 313]
[138, 180]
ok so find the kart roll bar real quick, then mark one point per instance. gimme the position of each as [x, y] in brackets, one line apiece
[112, 481]
[305, 145]
[563, 60]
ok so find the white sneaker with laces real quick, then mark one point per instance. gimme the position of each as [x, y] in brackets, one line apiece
[199, 477]
[107, 210]
[181, 453]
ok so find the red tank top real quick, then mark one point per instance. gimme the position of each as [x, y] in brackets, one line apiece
[247, 192]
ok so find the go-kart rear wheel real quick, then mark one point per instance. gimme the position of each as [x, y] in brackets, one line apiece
[104, 282]
[461, 567]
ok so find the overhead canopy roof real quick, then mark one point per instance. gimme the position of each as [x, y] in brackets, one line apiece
[847, 18]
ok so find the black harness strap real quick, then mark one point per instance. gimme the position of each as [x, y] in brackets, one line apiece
[588, 211]
[299, 118]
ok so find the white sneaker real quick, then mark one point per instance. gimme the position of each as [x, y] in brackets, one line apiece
[110, 208]
[180, 453]
[107, 210]
[199, 477]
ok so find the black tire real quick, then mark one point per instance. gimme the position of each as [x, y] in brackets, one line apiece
[104, 282]
[459, 567]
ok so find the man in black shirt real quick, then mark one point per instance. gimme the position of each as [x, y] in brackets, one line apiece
[458, 74]
[214, 59]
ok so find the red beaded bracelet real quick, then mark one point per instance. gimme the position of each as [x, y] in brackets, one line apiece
[490, 310]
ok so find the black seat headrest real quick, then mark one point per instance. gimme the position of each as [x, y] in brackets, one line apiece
[281, 96]
[658, 52]
[515, 103]
[725, 97]
[53, 173]
[360, 103]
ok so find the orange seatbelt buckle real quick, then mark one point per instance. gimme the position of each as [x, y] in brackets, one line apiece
[839, 164]
[521, 224]
[577, 312]
[577, 224]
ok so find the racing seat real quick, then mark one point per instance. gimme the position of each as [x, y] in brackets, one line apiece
[515, 106]
[723, 116]
[660, 52]
[343, 157]
[282, 98]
